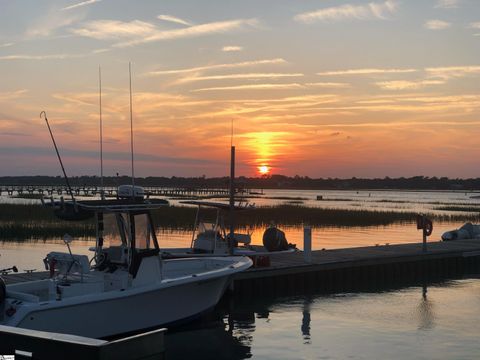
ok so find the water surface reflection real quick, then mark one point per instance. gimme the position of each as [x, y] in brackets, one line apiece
[418, 322]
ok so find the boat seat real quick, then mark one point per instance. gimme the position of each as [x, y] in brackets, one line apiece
[117, 254]
[138, 256]
[242, 238]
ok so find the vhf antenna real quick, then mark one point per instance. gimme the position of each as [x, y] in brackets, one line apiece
[131, 129]
[102, 191]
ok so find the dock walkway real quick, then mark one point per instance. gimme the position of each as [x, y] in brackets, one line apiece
[345, 269]
[361, 268]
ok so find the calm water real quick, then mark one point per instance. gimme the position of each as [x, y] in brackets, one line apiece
[441, 324]
[402, 324]
[29, 255]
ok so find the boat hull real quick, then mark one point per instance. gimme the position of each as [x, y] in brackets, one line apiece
[128, 313]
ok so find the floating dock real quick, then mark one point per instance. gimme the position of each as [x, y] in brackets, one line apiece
[351, 269]
[359, 269]
[33, 344]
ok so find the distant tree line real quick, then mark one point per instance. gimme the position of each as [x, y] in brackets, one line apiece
[264, 182]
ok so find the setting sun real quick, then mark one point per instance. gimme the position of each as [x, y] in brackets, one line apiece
[264, 169]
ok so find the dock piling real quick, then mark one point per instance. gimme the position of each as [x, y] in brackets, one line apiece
[307, 244]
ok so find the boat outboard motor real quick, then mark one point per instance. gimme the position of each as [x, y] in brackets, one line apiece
[274, 239]
[3, 297]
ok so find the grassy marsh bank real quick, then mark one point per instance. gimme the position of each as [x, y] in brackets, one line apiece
[25, 222]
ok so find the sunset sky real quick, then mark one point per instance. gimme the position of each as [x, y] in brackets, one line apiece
[321, 88]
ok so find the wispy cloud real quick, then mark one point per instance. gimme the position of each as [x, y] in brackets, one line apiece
[239, 76]
[358, 12]
[51, 22]
[453, 71]
[174, 19]
[253, 87]
[9, 95]
[475, 25]
[447, 4]
[217, 27]
[114, 29]
[328, 84]
[407, 85]
[6, 45]
[437, 25]
[80, 4]
[368, 71]
[40, 57]
[232, 48]
[220, 66]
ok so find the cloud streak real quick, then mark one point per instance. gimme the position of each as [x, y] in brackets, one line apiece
[239, 76]
[174, 19]
[232, 48]
[329, 85]
[219, 66]
[114, 29]
[436, 25]
[407, 85]
[218, 27]
[447, 4]
[448, 72]
[368, 71]
[81, 4]
[40, 57]
[346, 12]
[253, 87]
[10, 95]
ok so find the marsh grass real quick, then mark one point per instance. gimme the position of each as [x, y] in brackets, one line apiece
[35, 222]
[459, 208]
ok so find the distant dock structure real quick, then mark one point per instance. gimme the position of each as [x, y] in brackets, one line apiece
[111, 191]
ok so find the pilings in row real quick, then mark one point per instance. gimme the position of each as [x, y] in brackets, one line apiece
[357, 278]
[112, 191]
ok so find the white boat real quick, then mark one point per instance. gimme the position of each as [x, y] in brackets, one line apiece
[126, 287]
[211, 237]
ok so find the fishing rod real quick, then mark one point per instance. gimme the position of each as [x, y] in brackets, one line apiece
[58, 155]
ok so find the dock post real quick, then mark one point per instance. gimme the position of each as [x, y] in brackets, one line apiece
[307, 244]
[424, 244]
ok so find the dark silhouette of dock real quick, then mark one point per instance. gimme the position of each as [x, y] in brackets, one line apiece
[111, 191]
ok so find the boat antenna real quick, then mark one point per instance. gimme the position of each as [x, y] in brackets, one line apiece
[231, 134]
[232, 195]
[131, 128]
[58, 154]
[102, 191]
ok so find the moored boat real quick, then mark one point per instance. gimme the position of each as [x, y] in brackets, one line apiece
[211, 237]
[125, 287]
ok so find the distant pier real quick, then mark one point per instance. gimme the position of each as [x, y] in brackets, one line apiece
[111, 191]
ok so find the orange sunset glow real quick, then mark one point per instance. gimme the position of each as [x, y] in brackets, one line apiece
[387, 88]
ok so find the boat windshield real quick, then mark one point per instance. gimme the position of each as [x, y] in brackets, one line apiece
[143, 232]
[115, 229]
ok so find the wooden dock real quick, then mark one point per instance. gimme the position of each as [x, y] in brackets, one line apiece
[348, 269]
[359, 269]
[40, 345]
